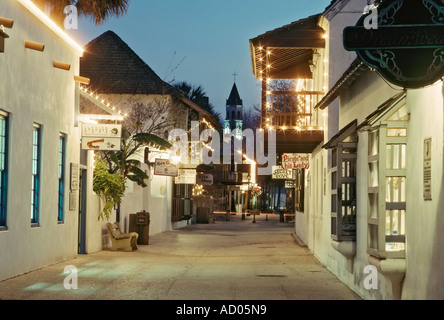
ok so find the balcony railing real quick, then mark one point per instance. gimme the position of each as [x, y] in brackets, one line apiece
[291, 110]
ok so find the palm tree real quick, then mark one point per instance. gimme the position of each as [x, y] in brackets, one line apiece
[197, 95]
[98, 10]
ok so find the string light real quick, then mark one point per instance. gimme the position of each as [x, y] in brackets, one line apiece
[105, 105]
[198, 190]
[303, 101]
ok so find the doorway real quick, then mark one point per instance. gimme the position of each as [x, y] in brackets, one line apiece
[82, 211]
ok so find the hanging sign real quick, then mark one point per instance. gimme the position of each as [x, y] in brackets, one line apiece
[102, 130]
[205, 179]
[280, 173]
[101, 144]
[296, 161]
[290, 184]
[101, 137]
[403, 40]
[186, 176]
[163, 167]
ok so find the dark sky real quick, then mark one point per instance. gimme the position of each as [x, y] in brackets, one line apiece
[202, 42]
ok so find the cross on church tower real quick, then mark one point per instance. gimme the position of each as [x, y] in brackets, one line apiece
[235, 75]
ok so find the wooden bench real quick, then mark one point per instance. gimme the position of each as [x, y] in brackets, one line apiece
[224, 215]
[120, 240]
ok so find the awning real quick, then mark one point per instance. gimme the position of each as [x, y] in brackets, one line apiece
[382, 110]
[350, 75]
[288, 50]
[342, 135]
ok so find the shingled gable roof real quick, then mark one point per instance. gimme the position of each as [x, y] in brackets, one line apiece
[114, 68]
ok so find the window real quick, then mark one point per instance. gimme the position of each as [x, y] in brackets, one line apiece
[35, 193]
[299, 190]
[343, 183]
[3, 169]
[387, 184]
[61, 173]
[182, 203]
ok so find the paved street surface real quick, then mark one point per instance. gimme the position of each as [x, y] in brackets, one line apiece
[237, 260]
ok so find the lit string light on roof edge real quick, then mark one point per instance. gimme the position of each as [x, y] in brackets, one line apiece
[104, 105]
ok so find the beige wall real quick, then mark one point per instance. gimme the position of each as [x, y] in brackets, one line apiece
[33, 91]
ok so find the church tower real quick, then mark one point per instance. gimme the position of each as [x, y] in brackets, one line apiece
[235, 113]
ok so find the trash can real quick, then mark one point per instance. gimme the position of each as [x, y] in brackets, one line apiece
[140, 223]
[203, 215]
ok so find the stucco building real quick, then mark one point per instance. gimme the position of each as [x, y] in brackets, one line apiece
[39, 140]
[122, 79]
[371, 206]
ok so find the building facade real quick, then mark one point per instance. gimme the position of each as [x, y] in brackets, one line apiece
[39, 141]
[371, 203]
[122, 79]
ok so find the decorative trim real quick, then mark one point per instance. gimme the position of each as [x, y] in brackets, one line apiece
[61, 65]
[34, 46]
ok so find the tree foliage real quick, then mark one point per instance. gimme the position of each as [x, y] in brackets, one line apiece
[98, 10]
[114, 168]
[109, 186]
[142, 128]
[197, 95]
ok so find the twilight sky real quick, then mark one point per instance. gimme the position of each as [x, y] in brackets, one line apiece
[202, 42]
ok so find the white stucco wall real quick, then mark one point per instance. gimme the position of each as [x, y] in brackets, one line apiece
[425, 219]
[314, 225]
[362, 98]
[33, 91]
[155, 199]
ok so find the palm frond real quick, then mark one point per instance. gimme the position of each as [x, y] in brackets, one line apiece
[151, 140]
[98, 10]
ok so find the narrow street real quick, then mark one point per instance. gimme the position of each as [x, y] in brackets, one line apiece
[237, 260]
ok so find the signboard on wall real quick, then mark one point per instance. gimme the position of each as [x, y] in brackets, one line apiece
[296, 161]
[163, 167]
[428, 169]
[74, 178]
[403, 40]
